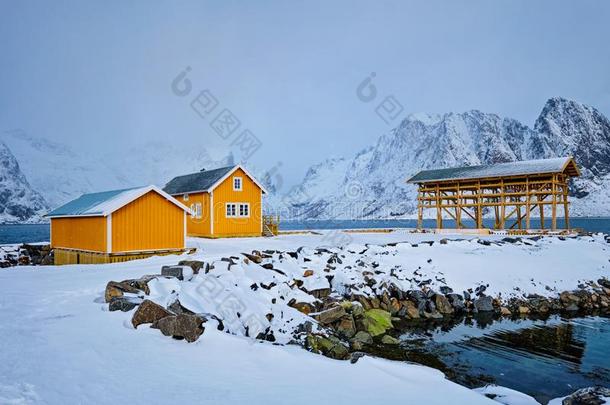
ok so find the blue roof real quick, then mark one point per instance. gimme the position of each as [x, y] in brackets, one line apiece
[87, 204]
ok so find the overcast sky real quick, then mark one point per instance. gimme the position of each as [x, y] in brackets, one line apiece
[99, 74]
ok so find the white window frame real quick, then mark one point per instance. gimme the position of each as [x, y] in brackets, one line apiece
[230, 210]
[241, 183]
[246, 210]
[197, 210]
[237, 210]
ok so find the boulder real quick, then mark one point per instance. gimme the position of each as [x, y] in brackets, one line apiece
[505, 311]
[416, 295]
[567, 298]
[141, 283]
[148, 312]
[356, 310]
[484, 304]
[328, 346]
[320, 293]
[363, 337]
[183, 326]
[346, 327]
[330, 315]
[308, 273]
[48, 259]
[523, 310]
[195, 265]
[442, 304]
[255, 258]
[123, 304]
[180, 272]
[394, 306]
[587, 396]
[445, 290]
[604, 282]
[364, 302]
[433, 315]
[540, 304]
[389, 340]
[456, 301]
[116, 289]
[177, 308]
[304, 307]
[376, 322]
[409, 310]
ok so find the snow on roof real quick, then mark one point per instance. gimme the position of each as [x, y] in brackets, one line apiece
[554, 165]
[106, 202]
[205, 180]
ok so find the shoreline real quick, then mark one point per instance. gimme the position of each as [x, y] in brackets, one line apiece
[343, 303]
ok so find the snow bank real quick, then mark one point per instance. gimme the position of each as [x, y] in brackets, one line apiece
[60, 341]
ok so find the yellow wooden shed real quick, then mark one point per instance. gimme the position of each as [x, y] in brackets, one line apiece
[118, 225]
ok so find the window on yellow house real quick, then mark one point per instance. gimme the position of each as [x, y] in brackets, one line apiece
[237, 210]
[231, 210]
[237, 184]
[196, 210]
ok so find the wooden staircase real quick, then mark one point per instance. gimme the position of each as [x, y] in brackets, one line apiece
[271, 225]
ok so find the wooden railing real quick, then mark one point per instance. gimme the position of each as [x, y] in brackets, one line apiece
[271, 225]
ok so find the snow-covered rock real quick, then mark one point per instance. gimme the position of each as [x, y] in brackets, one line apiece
[372, 184]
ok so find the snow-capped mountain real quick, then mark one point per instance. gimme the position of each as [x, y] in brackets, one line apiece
[19, 202]
[59, 174]
[372, 184]
[368, 185]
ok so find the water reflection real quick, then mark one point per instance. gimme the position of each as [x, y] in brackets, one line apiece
[545, 357]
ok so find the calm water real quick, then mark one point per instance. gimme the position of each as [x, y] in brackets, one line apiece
[543, 358]
[589, 224]
[24, 233]
[40, 233]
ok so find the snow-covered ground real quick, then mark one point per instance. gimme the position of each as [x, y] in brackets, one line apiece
[60, 344]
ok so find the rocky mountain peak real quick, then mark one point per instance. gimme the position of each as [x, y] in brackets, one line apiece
[571, 128]
[18, 201]
[372, 184]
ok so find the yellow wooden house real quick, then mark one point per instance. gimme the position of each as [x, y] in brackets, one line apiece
[224, 202]
[118, 225]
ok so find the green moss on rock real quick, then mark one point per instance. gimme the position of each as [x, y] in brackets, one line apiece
[377, 321]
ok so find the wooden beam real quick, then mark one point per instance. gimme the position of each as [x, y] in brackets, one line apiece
[458, 208]
[439, 214]
[420, 208]
[527, 205]
[479, 208]
[541, 208]
[554, 205]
